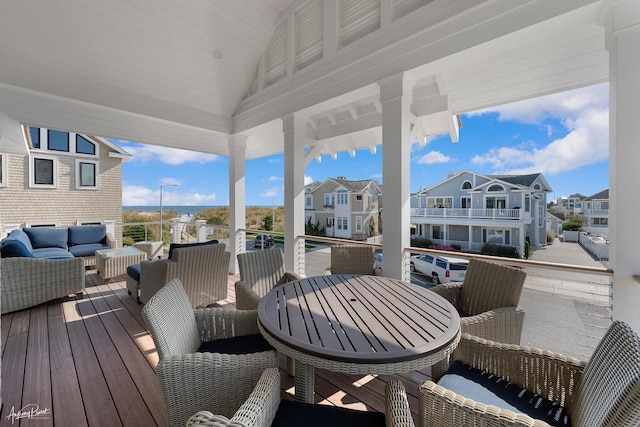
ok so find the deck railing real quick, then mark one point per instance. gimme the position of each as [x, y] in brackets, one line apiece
[512, 214]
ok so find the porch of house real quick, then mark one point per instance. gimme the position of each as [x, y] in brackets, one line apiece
[91, 361]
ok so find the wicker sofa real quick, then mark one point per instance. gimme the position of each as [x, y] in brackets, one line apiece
[80, 241]
[27, 282]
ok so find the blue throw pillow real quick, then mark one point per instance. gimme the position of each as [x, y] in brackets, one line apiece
[22, 237]
[12, 248]
[188, 245]
[47, 237]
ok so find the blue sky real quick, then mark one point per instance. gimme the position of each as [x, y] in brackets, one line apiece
[564, 136]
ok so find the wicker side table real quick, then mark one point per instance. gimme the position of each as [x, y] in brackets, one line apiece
[114, 262]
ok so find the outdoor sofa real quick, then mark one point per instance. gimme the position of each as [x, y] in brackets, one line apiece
[81, 241]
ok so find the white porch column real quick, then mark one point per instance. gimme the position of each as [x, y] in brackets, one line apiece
[237, 199]
[396, 98]
[623, 38]
[294, 165]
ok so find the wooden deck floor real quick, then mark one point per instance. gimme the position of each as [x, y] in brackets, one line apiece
[90, 362]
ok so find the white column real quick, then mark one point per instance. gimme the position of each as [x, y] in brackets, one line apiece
[396, 98]
[623, 38]
[293, 128]
[237, 199]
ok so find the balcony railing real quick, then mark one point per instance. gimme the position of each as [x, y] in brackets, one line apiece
[512, 214]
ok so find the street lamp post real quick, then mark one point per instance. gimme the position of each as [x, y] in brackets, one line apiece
[160, 228]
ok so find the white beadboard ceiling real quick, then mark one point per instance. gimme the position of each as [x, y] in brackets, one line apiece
[188, 74]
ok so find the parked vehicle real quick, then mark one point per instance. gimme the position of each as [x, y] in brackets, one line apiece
[441, 269]
[263, 241]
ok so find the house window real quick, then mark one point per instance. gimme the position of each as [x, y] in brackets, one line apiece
[371, 202]
[84, 146]
[440, 202]
[343, 197]
[309, 201]
[43, 172]
[58, 140]
[86, 174]
[465, 202]
[359, 197]
[359, 223]
[499, 237]
[495, 188]
[3, 170]
[466, 185]
[342, 223]
[496, 203]
[329, 199]
[330, 222]
[34, 133]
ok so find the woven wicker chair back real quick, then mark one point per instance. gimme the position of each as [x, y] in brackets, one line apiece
[171, 322]
[352, 259]
[262, 270]
[488, 286]
[610, 386]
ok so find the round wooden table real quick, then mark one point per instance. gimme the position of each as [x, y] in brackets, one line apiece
[357, 325]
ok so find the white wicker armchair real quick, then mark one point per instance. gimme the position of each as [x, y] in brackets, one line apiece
[31, 281]
[202, 270]
[260, 271]
[604, 392]
[353, 259]
[263, 409]
[191, 379]
[489, 297]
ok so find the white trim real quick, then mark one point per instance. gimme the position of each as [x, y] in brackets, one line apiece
[4, 173]
[41, 224]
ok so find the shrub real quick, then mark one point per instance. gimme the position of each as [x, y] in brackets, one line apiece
[421, 242]
[550, 238]
[500, 250]
[572, 226]
[456, 247]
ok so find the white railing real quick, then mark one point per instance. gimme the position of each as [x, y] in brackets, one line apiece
[514, 214]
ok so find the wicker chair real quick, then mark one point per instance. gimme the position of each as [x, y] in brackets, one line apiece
[353, 259]
[203, 271]
[264, 408]
[603, 392]
[27, 282]
[488, 301]
[260, 271]
[209, 358]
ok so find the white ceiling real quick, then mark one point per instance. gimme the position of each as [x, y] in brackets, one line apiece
[147, 71]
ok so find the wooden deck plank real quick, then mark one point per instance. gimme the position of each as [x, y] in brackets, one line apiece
[13, 366]
[98, 404]
[36, 392]
[68, 408]
[128, 401]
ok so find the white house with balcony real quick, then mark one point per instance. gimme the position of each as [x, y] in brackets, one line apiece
[346, 209]
[595, 209]
[470, 209]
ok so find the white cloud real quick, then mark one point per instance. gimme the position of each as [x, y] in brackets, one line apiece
[145, 153]
[134, 195]
[584, 115]
[169, 181]
[433, 157]
[269, 192]
[275, 178]
[307, 180]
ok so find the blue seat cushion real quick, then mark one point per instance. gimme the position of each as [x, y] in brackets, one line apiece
[245, 344]
[489, 389]
[47, 237]
[173, 246]
[85, 234]
[292, 413]
[88, 249]
[52, 253]
[11, 248]
[133, 271]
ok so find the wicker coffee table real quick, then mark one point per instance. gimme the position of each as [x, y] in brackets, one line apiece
[114, 262]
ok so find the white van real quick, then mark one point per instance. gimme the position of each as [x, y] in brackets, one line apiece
[441, 269]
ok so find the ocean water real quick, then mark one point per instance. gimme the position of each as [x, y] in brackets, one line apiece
[182, 210]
